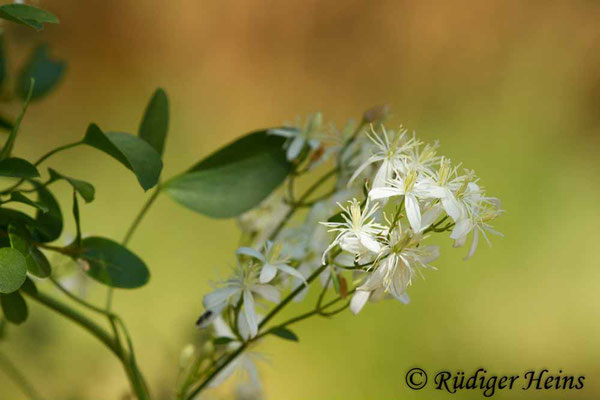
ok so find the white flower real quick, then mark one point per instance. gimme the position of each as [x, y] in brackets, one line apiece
[442, 186]
[359, 233]
[477, 211]
[298, 139]
[244, 364]
[389, 150]
[412, 187]
[271, 261]
[394, 270]
[240, 288]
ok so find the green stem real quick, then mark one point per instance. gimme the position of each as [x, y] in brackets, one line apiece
[140, 216]
[57, 150]
[300, 201]
[41, 160]
[76, 317]
[112, 318]
[100, 333]
[18, 377]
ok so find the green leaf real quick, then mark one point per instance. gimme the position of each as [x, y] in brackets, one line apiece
[155, 123]
[14, 307]
[13, 270]
[234, 179]
[336, 281]
[29, 287]
[19, 197]
[37, 263]
[50, 223]
[46, 73]
[10, 142]
[222, 340]
[18, 168]
[131, 151]
[77, 220]
[85, 189]
[114, 265]
[16, 218]
[284, 333]
[27, 15]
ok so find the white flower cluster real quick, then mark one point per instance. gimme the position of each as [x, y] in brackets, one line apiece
[394, 192]
[429, 191]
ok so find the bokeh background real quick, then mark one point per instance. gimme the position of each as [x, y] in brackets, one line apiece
[511, 88]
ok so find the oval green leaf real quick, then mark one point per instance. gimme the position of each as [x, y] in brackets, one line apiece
[113, 265]
[19, 197]
[50, 223]
[37, 263]
[234, 179]
[27, 15]
[155, 123]
[284, 333]
[85, 189]
[18, 168]
[14, 307]
[47, 74]
[131, 151]
[13, 270]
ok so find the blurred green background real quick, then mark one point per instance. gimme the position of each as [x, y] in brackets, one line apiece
[510, 88]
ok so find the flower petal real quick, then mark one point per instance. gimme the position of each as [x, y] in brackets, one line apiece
[369, 242]
[462, 229]
[267, 292]
[451, 206]
[384, 193]
[250, 313]
[267, 273]
[383, 175]
[217, 300]
[250, 252]
[295, 148]
[291, 271]
[358, 301]
[413, 212]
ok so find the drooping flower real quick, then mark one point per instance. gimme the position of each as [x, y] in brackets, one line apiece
[400, 260]
[271, 261]
[244, 365]
[239, 289]
[359, 233]
[477, 211]
[298, 139]
[388, 151]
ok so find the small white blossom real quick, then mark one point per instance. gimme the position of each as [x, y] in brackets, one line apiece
[389, 151]
[242, 287]
[244, 365]
[412, 187]
[477, 211]
[359, 232]
[395, 268]
[298, 139]
[271, 261]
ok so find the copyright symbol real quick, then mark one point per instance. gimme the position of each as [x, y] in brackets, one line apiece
[416, 379]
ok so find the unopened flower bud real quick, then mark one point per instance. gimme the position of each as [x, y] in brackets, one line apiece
[186, 355]
[375, 114]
